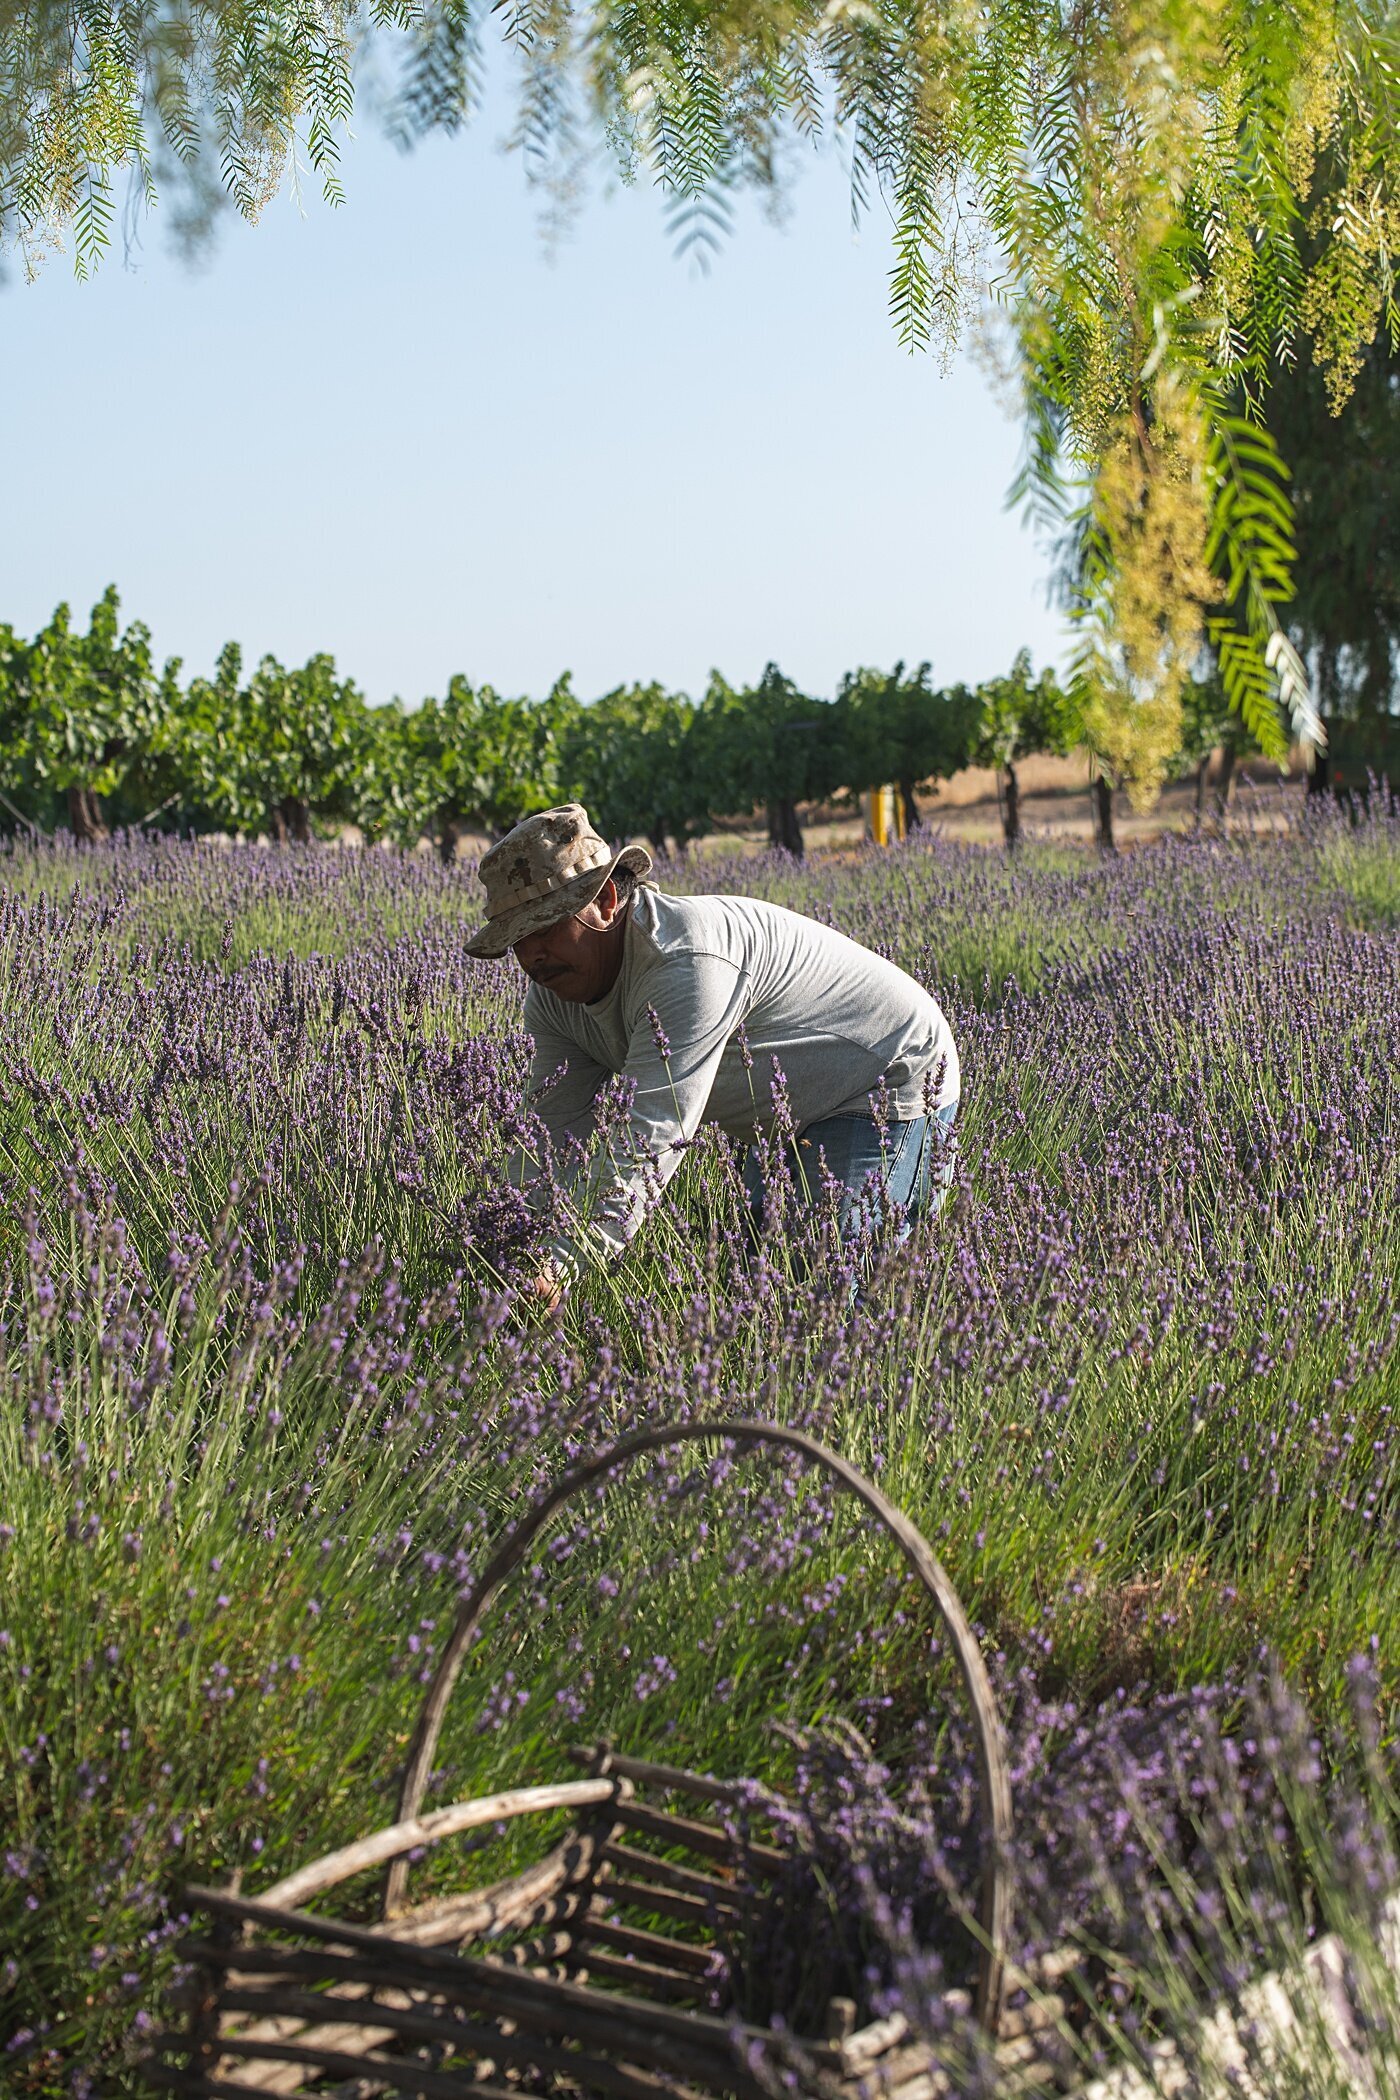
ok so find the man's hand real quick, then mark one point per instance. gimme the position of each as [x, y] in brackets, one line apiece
[545, 1290]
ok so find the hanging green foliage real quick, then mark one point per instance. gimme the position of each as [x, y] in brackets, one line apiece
[1171, 200]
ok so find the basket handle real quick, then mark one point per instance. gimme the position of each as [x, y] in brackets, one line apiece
[994, 1907]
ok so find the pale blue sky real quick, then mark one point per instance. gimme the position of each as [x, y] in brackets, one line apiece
[404, 433]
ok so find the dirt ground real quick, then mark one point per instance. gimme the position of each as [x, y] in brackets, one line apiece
[1055, 804]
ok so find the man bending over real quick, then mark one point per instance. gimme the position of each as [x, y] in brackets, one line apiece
[699, 1002]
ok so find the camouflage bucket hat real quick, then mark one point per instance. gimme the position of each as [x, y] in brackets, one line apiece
[547, 868]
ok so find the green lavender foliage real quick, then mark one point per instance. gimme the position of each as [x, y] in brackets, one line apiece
[261, 1410]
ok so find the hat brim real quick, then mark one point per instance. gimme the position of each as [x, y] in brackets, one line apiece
[500, 934]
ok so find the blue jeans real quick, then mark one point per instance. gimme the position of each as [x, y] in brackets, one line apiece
[912, 1164]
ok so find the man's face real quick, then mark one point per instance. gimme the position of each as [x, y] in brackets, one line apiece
[578, 958]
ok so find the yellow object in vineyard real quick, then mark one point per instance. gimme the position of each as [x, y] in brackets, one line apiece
[883, 810]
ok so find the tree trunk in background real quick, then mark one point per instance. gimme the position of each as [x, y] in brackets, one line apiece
[912, 820]
[85, 818]
[1327, 683]
[1378, 691]
[449, 838]
[1202, 771]
[784, 831]
[1010, 806]
[291, 821]
[1226, 781]
[1103, 814]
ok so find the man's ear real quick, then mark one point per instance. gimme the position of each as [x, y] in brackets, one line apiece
[608, 902]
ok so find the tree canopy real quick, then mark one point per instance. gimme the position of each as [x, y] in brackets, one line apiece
[90, 735]
[80, 714]
[632, 751]
[1345, 613]
[1173, 199]
[900, 728]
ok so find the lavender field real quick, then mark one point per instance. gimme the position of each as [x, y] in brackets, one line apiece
[267, 1395]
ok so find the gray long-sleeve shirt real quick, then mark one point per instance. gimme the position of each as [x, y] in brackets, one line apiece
[722, 974]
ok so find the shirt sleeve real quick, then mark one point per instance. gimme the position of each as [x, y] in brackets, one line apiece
[564, 1078]
[698, 1001]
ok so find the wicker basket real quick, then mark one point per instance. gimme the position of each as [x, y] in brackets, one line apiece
[598, 1970]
